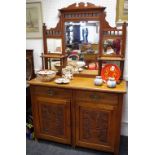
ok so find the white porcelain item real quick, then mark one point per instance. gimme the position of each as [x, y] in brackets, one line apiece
[98, 81]
[111, 83]
[80, 69]
[80, 64]
[62, 80]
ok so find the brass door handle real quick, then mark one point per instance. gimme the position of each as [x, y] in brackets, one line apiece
[50, 92]
[46, 130]
[95, 97]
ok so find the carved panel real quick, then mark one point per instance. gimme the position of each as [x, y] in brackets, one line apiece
[82, 11]
[52, 119]
[94, 125]
[52, 32]
[109, 33]
[80, 15]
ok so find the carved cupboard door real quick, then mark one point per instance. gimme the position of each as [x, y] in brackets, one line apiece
[95, 125]
[53, 119]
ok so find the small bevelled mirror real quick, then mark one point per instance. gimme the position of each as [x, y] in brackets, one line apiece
[111, 47]
[54, 45]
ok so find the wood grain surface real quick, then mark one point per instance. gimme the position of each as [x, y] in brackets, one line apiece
[83, 83]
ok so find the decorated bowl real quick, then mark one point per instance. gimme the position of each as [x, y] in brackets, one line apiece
[46, 75]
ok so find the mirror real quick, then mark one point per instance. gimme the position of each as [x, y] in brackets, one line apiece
[54, 45]
[82, 32]
[111, 47]
[82, 42]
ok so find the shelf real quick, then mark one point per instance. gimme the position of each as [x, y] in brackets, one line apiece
[87, 73]
[111, 36]
[53, 55]
[111, 58]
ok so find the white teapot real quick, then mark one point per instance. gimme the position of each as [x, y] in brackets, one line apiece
[111, 82]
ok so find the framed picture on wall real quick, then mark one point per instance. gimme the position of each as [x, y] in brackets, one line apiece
[122, 11]
[33, 20]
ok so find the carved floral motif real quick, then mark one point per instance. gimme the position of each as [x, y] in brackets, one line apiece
[52, 119]
[94, 125]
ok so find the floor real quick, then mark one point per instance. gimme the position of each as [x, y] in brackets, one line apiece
[42, 147]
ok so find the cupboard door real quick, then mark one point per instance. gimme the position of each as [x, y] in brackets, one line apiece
[95, 125]
[54, 119]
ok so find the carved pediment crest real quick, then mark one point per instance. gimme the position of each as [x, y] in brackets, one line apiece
[80, 6]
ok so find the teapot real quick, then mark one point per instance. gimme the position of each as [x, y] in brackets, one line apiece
[111, 82]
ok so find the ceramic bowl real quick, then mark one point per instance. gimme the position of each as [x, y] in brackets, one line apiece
[46, 75]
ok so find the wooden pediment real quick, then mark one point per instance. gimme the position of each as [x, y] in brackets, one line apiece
[81, 6]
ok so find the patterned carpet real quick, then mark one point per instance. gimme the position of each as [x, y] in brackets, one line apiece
[42, 147]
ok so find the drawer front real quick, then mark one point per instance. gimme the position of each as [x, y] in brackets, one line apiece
[51, 92]
[96, 97]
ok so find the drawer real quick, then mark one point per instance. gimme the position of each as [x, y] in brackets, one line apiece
[51, 92]
[96, 97]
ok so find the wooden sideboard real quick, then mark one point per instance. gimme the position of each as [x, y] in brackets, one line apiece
[78, 113]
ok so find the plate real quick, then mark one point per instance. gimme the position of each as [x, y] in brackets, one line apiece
[110, 70]
[61, 81]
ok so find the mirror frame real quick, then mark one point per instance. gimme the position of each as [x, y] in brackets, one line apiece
[86, 12]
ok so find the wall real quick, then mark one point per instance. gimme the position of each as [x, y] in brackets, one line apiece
[50, 17]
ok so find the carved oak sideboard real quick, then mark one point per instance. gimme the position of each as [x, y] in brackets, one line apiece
[78, 113]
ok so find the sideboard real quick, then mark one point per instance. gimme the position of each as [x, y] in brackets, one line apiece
[78, 113]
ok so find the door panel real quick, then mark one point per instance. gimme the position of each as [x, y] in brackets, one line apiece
[95, 126]
[54, 119]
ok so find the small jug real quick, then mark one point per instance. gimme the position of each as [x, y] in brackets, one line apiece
[98, 81]
[111, 83]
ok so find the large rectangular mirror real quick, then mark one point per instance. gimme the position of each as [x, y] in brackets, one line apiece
[82, 42]
[82, 32]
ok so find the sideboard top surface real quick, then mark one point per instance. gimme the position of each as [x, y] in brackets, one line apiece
[82, 83]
